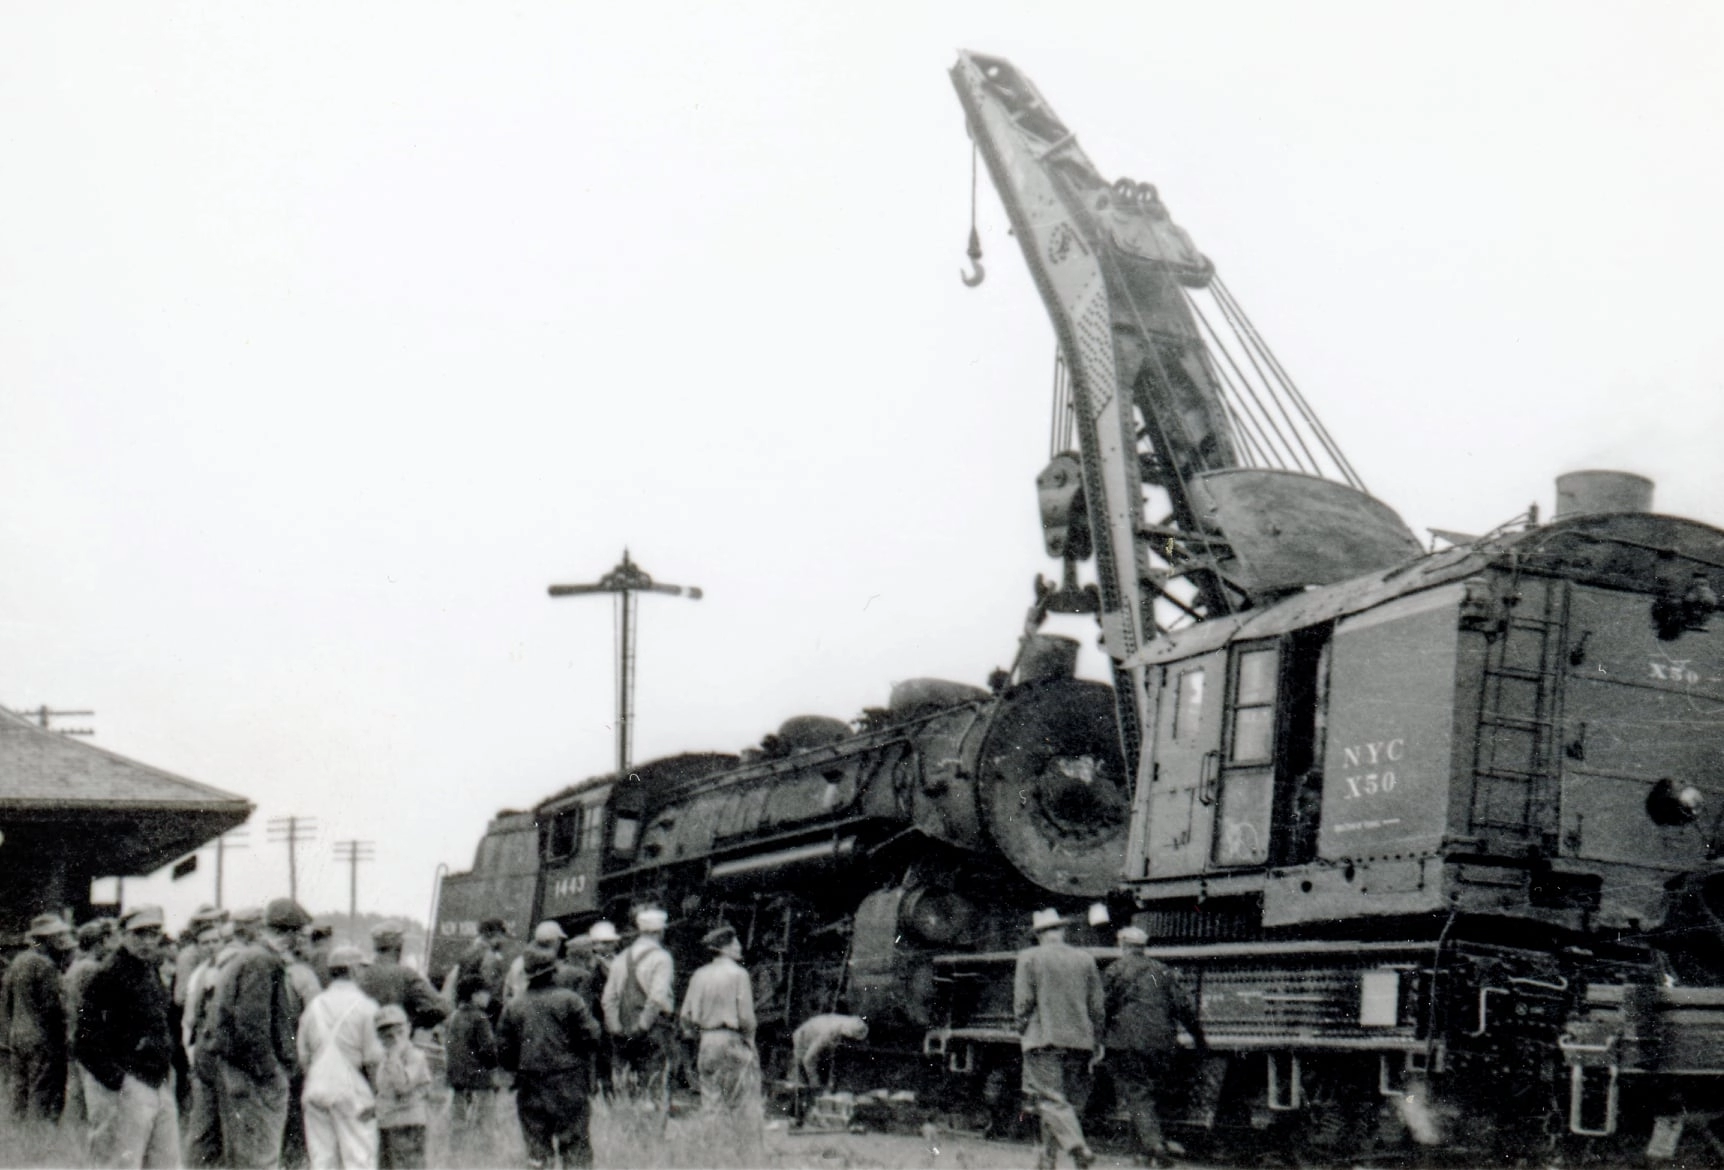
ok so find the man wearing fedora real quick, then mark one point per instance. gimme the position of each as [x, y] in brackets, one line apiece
[126, 1048]
[33, 1021]
[719, 1009]
[1145, 1006]
[546, 1038]
[638, 1007]
[1057, 1000]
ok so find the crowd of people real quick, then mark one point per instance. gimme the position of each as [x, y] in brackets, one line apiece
[257, 1041]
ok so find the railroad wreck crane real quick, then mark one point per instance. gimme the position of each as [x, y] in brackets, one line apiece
[1202, 483]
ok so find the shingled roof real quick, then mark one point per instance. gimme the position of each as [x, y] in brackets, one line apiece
[123, 816]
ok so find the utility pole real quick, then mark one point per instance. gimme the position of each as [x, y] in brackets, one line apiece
[292, 831]
[42, 714]
[625, 581]
[354, 852]
[232, 839]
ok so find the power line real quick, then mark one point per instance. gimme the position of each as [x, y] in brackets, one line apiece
[354, 852]
[291, 831]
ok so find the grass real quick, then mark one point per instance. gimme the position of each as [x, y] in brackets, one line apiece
[628, 1134]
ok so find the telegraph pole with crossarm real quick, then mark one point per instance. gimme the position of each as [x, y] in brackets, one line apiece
[625, 581]
[292, 831]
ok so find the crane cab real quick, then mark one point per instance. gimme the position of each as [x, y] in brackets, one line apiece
[1527, 727]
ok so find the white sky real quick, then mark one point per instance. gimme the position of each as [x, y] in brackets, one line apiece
[331, 335]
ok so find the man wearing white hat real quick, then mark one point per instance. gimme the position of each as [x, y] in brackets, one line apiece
[126, 1047]
[1145, 1006]
[639, 1008]
[1057, 1000]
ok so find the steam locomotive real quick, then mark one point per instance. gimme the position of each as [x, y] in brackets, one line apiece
[848, 857]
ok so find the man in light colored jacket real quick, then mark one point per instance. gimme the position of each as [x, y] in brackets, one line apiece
[1058, 1001]
[339, 1052]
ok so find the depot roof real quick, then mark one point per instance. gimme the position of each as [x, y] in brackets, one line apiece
[137, 816]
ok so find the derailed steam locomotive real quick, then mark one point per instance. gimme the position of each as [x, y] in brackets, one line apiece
[848, 858]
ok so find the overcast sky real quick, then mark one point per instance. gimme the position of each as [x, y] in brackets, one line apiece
[331, 335]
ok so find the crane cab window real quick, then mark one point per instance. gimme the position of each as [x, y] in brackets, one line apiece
[1188, 704]
[1251, 733]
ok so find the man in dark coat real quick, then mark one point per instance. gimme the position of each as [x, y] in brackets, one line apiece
[251, 1042]
[33, 1021]
[1145, 1006]
[388, 981]
[547, 1039]
[126, 1046]
[1057, 1000]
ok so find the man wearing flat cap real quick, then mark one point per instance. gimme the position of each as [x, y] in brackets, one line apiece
[126, 1048]
[719, 1009]
[1145, 1005]
[389, 981]
[33, 1021]
[547, 1038]
[1057, 999]
[638, 1007]
[250, 1042]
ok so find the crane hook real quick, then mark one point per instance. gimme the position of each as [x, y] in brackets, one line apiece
[975, 254]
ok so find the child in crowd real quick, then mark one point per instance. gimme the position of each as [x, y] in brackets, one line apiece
[403, 1094]
[470, 1047]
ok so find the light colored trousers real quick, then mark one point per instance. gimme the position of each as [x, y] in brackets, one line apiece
[1058, 1081]
[336, 1139]
[134, 1125]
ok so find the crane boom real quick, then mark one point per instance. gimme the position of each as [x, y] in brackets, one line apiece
[1198, 491]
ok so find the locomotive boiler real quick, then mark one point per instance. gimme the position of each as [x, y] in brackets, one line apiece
[848, 856]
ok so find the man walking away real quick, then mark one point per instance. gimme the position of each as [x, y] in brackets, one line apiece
[639, 1010]
[251, 1041]
[33, 1021]
[546, 1038]
[1057, 1000]
[719, 1008]
[340, 1053]
[1145, 1005]
[126, 1046]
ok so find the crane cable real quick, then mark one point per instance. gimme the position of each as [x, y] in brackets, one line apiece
[975, 250]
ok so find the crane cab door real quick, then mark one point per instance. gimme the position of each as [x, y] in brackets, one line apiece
[1185, 770]
[1244, 787]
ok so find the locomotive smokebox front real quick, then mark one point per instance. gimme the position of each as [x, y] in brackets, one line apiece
[1052, 785]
